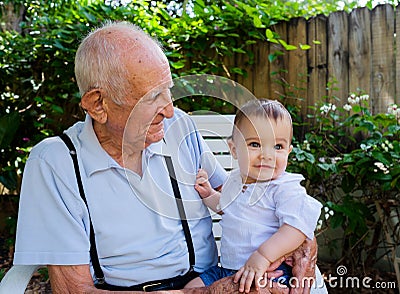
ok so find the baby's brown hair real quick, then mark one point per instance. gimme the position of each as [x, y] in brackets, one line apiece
[263, 108]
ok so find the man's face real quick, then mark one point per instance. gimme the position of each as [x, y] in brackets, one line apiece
[261, 146]
[149, 99]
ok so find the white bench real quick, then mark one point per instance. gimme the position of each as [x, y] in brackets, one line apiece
[214, 128]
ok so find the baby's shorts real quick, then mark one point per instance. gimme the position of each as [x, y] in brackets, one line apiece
[216, 273]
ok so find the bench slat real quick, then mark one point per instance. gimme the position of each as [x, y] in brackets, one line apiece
[214, 125]
[218, 145]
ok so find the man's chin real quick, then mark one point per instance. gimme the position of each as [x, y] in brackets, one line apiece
[147, 143]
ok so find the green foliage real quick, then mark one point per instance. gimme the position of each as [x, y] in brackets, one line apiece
[2, 273]
[352, 162]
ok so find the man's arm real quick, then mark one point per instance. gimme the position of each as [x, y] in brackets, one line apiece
[71, 279]
[304, 261]
[77, 279]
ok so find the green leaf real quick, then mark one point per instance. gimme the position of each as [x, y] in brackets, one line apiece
[272, 57]
[177, 65]
[380, 157]
[270, 36]
[287, 47]
[316, 42]
[57, 108]
[381, 176]
[257, 22]
[237, 70]
[304, 47]
[9, 125]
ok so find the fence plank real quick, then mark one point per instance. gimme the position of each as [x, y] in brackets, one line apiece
[338, 56]
[317, 59]
[396, 99]
[360, 63]
[297, 64]
[383, 71]
[242, 61]
[262, 79]
[278, 68]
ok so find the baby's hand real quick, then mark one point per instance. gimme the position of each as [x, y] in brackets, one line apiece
[254, 269]
[202, 185]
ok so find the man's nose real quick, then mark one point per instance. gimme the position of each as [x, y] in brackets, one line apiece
[168, 110]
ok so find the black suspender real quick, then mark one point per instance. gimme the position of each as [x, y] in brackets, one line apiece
[93, 251]
[181, 209]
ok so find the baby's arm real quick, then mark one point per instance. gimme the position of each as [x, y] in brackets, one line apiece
[284, 241]
[207, 193]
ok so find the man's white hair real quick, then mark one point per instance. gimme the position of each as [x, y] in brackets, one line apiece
[99, 63]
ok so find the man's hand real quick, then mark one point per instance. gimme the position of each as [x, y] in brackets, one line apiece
[304, 261]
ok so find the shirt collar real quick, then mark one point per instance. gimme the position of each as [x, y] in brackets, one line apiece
[95, 157]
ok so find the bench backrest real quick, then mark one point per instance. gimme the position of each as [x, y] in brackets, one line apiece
[216, 129]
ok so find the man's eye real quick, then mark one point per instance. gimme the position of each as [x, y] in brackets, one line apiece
[254, 144]
[278, 147]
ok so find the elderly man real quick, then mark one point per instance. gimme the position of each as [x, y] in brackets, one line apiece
[110, 221]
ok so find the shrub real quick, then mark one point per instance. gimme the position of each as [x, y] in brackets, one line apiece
[352, 162]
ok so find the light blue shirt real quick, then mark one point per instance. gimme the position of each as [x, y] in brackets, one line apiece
[138, 232]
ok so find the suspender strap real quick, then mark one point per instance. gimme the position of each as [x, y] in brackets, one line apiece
[181, 209]
[93, 251]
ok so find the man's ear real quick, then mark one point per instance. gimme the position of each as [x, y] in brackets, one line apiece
[93, 103]
[232, 148]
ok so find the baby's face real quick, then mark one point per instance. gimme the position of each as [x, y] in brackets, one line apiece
[261, 146]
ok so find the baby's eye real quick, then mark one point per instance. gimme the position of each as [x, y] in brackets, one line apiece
[254, 144]
[278, 147]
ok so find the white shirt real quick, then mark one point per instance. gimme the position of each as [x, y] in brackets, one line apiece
[138, 232]
[255, 214]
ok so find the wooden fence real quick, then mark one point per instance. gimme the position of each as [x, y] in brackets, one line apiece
[357, 50]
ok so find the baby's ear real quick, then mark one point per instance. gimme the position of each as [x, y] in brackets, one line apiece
[232, 147]
[290, 148]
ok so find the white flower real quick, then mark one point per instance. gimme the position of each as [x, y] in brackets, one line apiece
[333, 107]
[319, 225]
[382, 167]
[347, 107]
